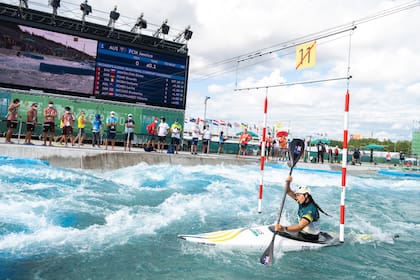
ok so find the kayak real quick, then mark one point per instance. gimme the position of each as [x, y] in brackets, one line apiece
[258, 238]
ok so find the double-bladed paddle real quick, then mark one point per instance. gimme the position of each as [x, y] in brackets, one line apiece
[296, 150]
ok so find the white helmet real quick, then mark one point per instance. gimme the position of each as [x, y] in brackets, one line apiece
[303, 189]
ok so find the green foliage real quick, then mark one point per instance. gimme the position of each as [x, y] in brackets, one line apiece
[404, 146]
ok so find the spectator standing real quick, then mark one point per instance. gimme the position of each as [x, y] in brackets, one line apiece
[388, 157]
[336, 154]
[68, 120]
[195, 133]
[320, 150]
[111, 124]
[176, 129]
[96, 131]
[276, 149]
[129, 132]
[12, 119]
[163, 130]
[81, 123]
[330, 157]
[243, 142]
[222, 140]
[283, 148]
[31, 121]
[356, 157]
[50, 113]
[151, 131]
[402, 158]
[206, 140]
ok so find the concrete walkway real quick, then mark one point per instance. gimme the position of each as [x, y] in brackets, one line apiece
[88, 157]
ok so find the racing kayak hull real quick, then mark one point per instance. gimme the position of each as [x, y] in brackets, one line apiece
[258, 238]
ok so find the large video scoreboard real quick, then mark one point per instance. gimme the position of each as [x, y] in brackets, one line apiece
[145, 76]
[79, 64]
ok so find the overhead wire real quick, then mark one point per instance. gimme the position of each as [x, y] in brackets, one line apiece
[250, 55]
[236, 67]
[309, 37]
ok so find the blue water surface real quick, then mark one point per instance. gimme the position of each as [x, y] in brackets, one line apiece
[60, 223]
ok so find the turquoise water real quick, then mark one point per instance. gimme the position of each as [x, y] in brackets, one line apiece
[69, 224]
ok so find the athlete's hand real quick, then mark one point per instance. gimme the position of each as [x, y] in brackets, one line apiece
[278, 227]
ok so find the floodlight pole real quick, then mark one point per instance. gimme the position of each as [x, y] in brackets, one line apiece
[205, 108]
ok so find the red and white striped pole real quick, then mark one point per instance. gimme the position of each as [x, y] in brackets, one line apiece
[262, 159]
[344, 165]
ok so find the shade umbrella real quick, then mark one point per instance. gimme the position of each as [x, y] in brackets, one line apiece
[372, 147]
[322, 140]
[282, 133]
[375, 147]
[252, 133]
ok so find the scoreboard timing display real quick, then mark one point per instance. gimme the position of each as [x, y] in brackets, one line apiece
[144, 76]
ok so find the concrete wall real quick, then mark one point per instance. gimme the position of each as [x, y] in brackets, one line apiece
[87, 158]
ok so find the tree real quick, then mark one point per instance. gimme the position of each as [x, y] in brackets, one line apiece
[389, 146]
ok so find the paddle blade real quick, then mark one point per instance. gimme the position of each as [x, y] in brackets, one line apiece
[267, 256]
[296, 150]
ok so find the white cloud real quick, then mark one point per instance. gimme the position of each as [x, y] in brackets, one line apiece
[215, 89]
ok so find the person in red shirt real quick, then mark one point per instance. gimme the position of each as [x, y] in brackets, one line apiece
[243, 142]
[151, 131]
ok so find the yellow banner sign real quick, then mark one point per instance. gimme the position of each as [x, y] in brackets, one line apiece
[305, 55]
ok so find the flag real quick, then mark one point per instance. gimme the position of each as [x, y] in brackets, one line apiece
[215, 122]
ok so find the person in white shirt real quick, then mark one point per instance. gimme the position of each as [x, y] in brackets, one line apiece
[163, 130]
[206, 140]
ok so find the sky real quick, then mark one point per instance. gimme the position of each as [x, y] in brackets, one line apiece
[240, 44]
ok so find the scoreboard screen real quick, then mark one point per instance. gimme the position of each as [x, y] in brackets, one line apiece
[70, 64]
[143, 76]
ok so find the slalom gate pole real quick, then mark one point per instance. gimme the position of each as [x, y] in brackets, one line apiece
[262, 159]
[344, 165]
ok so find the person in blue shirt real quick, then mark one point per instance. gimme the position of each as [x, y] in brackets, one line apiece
[96, 131]
[309, 224]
